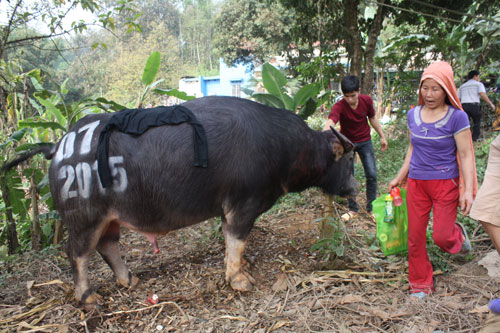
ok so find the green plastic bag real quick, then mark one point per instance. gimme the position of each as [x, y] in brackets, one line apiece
[393, 236]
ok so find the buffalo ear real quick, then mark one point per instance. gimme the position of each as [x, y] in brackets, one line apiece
[338, 150]
[346, 143]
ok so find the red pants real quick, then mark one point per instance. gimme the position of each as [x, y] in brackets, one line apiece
[442, 196]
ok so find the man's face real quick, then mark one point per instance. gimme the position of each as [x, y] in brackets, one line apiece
[352, 99]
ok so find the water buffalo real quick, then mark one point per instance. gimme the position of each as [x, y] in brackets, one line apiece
[256, 154]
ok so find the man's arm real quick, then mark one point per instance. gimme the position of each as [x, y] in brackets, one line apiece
[487, 100]
[376, 126]
[329, 123]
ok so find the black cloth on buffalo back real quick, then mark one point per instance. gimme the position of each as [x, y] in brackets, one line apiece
[138, 121]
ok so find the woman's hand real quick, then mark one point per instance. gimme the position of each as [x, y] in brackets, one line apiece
[393, 183]
[465, 202]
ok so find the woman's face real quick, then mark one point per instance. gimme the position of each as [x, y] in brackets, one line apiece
[434, 96]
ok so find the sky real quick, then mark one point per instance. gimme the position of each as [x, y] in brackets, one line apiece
[74, 15]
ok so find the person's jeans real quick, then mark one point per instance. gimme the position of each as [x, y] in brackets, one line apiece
[473, 110]
[367, 156]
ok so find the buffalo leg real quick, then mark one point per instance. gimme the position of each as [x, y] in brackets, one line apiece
[108, 248]
[224, 230]
[79, 259]
[83, 292]
[237, 277]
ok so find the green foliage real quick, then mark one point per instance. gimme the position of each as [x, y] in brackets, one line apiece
[151, 68]
[481, 152]
[321, 69]
[205, 234]
[468, 44]
[119, 79]
[334, 244]
[316, 121]
[252, 30]
[148, 76]
[442, 260]
[304, 101]
[54, 116]
[287, 202]
[388, 162]
[175, 93]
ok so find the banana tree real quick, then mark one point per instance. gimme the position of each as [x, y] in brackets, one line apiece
[303, 102]
[148, 78]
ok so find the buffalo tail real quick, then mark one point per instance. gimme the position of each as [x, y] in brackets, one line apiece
[46, 149]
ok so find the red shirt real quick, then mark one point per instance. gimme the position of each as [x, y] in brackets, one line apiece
[353, 123]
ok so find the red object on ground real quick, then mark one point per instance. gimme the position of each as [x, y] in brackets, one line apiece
[153, 299]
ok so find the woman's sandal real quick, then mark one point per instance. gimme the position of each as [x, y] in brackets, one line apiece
[466, 245]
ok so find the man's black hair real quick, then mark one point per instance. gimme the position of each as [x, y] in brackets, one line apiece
[472, 74]
[349, 84]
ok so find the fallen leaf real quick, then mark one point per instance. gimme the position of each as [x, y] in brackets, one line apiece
[279, 324]
[280, 283]
[400, 314]
[453, 305]
[350, 299]
[480, 309]
[29, 285]
[355, 280]
[377, 312]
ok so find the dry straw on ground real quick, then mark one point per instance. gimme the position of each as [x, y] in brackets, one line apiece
[296, 291]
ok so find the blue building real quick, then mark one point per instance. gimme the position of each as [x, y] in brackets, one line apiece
[228, 83]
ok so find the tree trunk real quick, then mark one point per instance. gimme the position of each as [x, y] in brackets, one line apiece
[58, 232]
[370, 48]
[391, 98]
[12, 240]
[198, 58]
[353, 37]
[380, 94]
[36, 232]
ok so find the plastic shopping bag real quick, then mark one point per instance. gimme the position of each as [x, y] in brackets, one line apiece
[393, 235]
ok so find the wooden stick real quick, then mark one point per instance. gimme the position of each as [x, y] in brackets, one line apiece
[147, 308]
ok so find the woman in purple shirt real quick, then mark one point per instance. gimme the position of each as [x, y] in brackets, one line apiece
[438, 177]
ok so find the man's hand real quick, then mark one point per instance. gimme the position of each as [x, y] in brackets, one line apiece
[383, 144]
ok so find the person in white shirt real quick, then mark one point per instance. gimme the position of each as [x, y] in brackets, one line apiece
[469, 94]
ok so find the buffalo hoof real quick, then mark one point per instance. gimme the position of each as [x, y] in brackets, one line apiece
[242, 281]
[130, 284]
[90, 300]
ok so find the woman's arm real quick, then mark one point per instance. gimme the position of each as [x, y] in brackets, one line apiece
[466, 155]
[403, 172]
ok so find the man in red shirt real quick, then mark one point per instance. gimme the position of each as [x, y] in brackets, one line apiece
[354, 112]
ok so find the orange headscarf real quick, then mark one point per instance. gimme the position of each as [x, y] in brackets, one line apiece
[442, 73]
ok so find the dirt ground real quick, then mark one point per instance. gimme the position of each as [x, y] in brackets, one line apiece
[296, 290]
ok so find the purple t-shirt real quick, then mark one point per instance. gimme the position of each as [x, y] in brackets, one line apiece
[434, 147]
